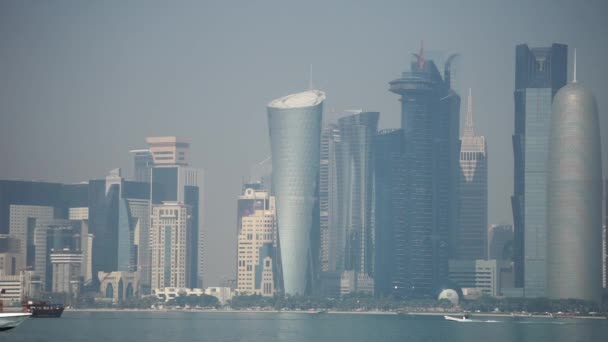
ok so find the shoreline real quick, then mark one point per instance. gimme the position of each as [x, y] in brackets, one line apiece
[335, 312]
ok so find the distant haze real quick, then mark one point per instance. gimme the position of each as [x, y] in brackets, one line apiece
[82, 82]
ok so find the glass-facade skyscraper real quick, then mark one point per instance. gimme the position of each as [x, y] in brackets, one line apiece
[391, 272]
[470, 239]
[295, 133]
[356, 201]
[539, 74]
[431, 141]
[328, 201]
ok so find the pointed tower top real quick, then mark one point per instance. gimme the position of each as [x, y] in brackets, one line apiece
[421, 55]
[574, 76]
[469, 129]
[310, 87]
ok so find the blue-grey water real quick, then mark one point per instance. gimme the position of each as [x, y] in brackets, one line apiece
[263, 327]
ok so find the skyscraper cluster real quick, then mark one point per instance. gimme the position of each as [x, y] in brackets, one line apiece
[142, 234]
[405, 211]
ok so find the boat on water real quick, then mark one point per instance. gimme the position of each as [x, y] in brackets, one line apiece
[10, 320]
[43, 309]
[463, 318]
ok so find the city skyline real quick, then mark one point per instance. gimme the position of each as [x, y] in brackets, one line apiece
[54, 109]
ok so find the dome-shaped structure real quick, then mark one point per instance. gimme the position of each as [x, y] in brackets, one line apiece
[450, 295]
[574, 197]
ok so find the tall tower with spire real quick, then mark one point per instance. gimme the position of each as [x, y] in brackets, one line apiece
[574, 233]
[470, 237]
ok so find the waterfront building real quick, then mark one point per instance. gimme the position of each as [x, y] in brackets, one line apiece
[486, 276]
[174, 180]
[115, 287]
[500, 242]
[539, 74]
[430, 121]
[574, 196]
[19, 287]
[356, 199]
[330, 232]
[391, 253]
[604, 233]
[295, 132]
[256, 246]
[471, 237]
[9, 253]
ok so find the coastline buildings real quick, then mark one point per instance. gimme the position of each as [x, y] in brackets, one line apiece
[471, 236]
[574, 196]
[604, 233]
[256, 243]
[295, 132]
[430, 123]
[539, 74]
[356, 201]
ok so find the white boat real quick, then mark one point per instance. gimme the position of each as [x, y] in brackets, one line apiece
[463, 318]
[10, 320]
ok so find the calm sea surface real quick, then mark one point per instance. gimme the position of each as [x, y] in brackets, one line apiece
[258, 327]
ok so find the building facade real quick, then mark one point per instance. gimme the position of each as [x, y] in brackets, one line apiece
[430, 123]
[295, 133]
[391, 272]
[170, 232]
[539, 74]
[330, 233]
[356, 198]
[574, 193]
[500, 242]
[471, 237]
[256, 246]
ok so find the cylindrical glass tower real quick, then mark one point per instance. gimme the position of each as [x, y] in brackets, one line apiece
[295, 132]
[574, 197]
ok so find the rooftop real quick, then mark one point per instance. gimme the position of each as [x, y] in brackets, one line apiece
[299, 100]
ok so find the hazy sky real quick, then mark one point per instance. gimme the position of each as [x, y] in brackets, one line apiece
[82, 82]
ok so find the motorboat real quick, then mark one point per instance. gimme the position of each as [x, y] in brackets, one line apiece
[10, 320]
[463, 318]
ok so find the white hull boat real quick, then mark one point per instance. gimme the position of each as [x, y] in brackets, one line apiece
[10, 320]
[464, 318]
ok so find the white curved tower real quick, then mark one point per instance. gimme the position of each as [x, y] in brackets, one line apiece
[295, 134]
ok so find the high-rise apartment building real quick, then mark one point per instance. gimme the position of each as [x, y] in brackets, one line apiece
[169, 151]
[295, 133]
[574, 193]
[539, 74]
[430, 123]
[170, 232]
[471, 237]
[356, 200]
[256, 244]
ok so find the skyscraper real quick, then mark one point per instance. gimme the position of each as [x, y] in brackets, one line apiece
[356, 201]
[328, 200]
[170, 232]
[471, 236]
[539, 74]
[431, 124]
[173, 180]
[500, 242]
[391, 272]
[256, 245]
[295, 130]
[574, 196]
